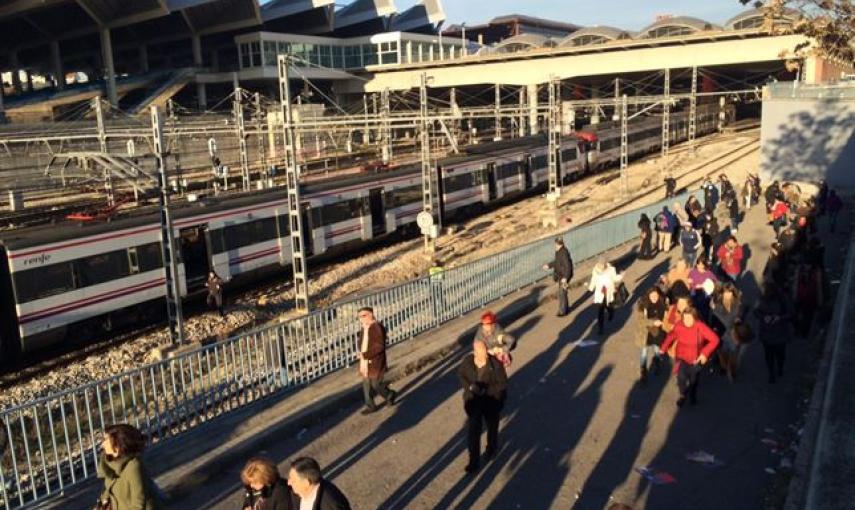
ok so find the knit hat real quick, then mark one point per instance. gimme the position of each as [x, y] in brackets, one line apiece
[488, 318]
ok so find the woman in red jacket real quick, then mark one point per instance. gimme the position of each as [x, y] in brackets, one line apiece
[730, 257]
[695, 344]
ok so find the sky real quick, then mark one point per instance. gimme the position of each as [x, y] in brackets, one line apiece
[626, 14]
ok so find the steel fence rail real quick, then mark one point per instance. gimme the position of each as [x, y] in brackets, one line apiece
[52, 443]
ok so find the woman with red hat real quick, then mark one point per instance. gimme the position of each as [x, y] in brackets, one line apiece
[499, 344]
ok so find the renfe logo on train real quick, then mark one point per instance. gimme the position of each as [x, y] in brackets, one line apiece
[38, 260]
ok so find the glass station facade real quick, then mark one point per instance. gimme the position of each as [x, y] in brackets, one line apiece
[260, 49]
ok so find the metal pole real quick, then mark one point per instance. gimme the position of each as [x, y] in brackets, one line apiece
[240, 131]
[385, 135]
[367, 137]
[292, 174]
[102, 143]
[554, 128]
[624, 150]
[428, 173]
[693, 108]
[521, 126]
[722, 114]
[262, 149]
[497, 135]
[666, 115]
[167, 240]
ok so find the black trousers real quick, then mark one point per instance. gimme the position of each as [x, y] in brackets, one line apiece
[688, 377]
[378, 386]
[775, 356]
[602, 310]
[563, 306]
[481, 410]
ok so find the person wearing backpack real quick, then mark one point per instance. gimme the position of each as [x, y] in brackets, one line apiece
[127, 485]
[663, 227]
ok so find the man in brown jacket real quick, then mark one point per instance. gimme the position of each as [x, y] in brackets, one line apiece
[372, 360]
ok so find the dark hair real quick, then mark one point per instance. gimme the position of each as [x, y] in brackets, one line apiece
[127, 439]
[691, 310]
[559, 241]
[645, 299]
[308, 469]
[366, 309]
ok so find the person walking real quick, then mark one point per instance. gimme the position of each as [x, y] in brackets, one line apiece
[127, 485]
[604, 281]
[215, 292]
[690, 241]
[265, 488]
[733, 210]
[709, 237]
[485, 384]
[670, 187]
[499, 343]
[772, 193]
[436, 275]
[822, 196]
[650, 314]
[773, 329]
[834, 205]
[695, 342]
[807, 295]
[645, 250]
[699, 274]
[778, 215]
[730, 256]
[728, 313]
[664, 227]
[710, 195]
[311, 490]
[562, 274]
[775, 270]
[372, 361]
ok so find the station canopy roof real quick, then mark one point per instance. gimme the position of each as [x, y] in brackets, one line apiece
[75, 24]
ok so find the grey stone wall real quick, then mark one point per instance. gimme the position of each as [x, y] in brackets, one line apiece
[807, 139]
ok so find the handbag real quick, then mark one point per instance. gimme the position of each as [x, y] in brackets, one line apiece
[103, 505]
[621, 295]
[742, 332]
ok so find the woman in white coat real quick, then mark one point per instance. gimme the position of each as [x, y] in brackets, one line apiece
[604, 282]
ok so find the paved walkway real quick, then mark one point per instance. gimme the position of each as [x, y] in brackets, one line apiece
[575, 427]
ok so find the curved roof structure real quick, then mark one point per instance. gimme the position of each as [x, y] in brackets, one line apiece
[676, 26]
[425, 16]
[524, 42]
[593, 35]
[754, 18]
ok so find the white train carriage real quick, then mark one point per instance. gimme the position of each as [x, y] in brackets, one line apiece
[78, 276]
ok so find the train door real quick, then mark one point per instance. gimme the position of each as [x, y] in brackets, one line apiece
[526, 165]
[490, 175]
[195, 256]
[378, 212]
[10, 344]
[308, 238]
[440, 192]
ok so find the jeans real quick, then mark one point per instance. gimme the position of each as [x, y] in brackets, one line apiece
[688, 377]
[602, 310]
[378, 386]
[563, 306]
[645, 353]
[734, 222]
[690, 257]
[832, 219]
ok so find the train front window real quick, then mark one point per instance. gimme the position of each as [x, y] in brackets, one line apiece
[42, 282]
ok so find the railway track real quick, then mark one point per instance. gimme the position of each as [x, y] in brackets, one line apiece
[54, 359]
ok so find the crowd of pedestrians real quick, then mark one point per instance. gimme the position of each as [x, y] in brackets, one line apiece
[695, 319]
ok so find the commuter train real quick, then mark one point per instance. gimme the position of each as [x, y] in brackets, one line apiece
[87, 279]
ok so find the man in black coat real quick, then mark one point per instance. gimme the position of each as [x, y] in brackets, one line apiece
[562, 268]
[311, 490]
[485, 383]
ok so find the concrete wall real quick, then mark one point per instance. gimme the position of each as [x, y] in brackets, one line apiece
[808, 140]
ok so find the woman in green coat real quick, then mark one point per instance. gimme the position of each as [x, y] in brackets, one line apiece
[127, 486]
